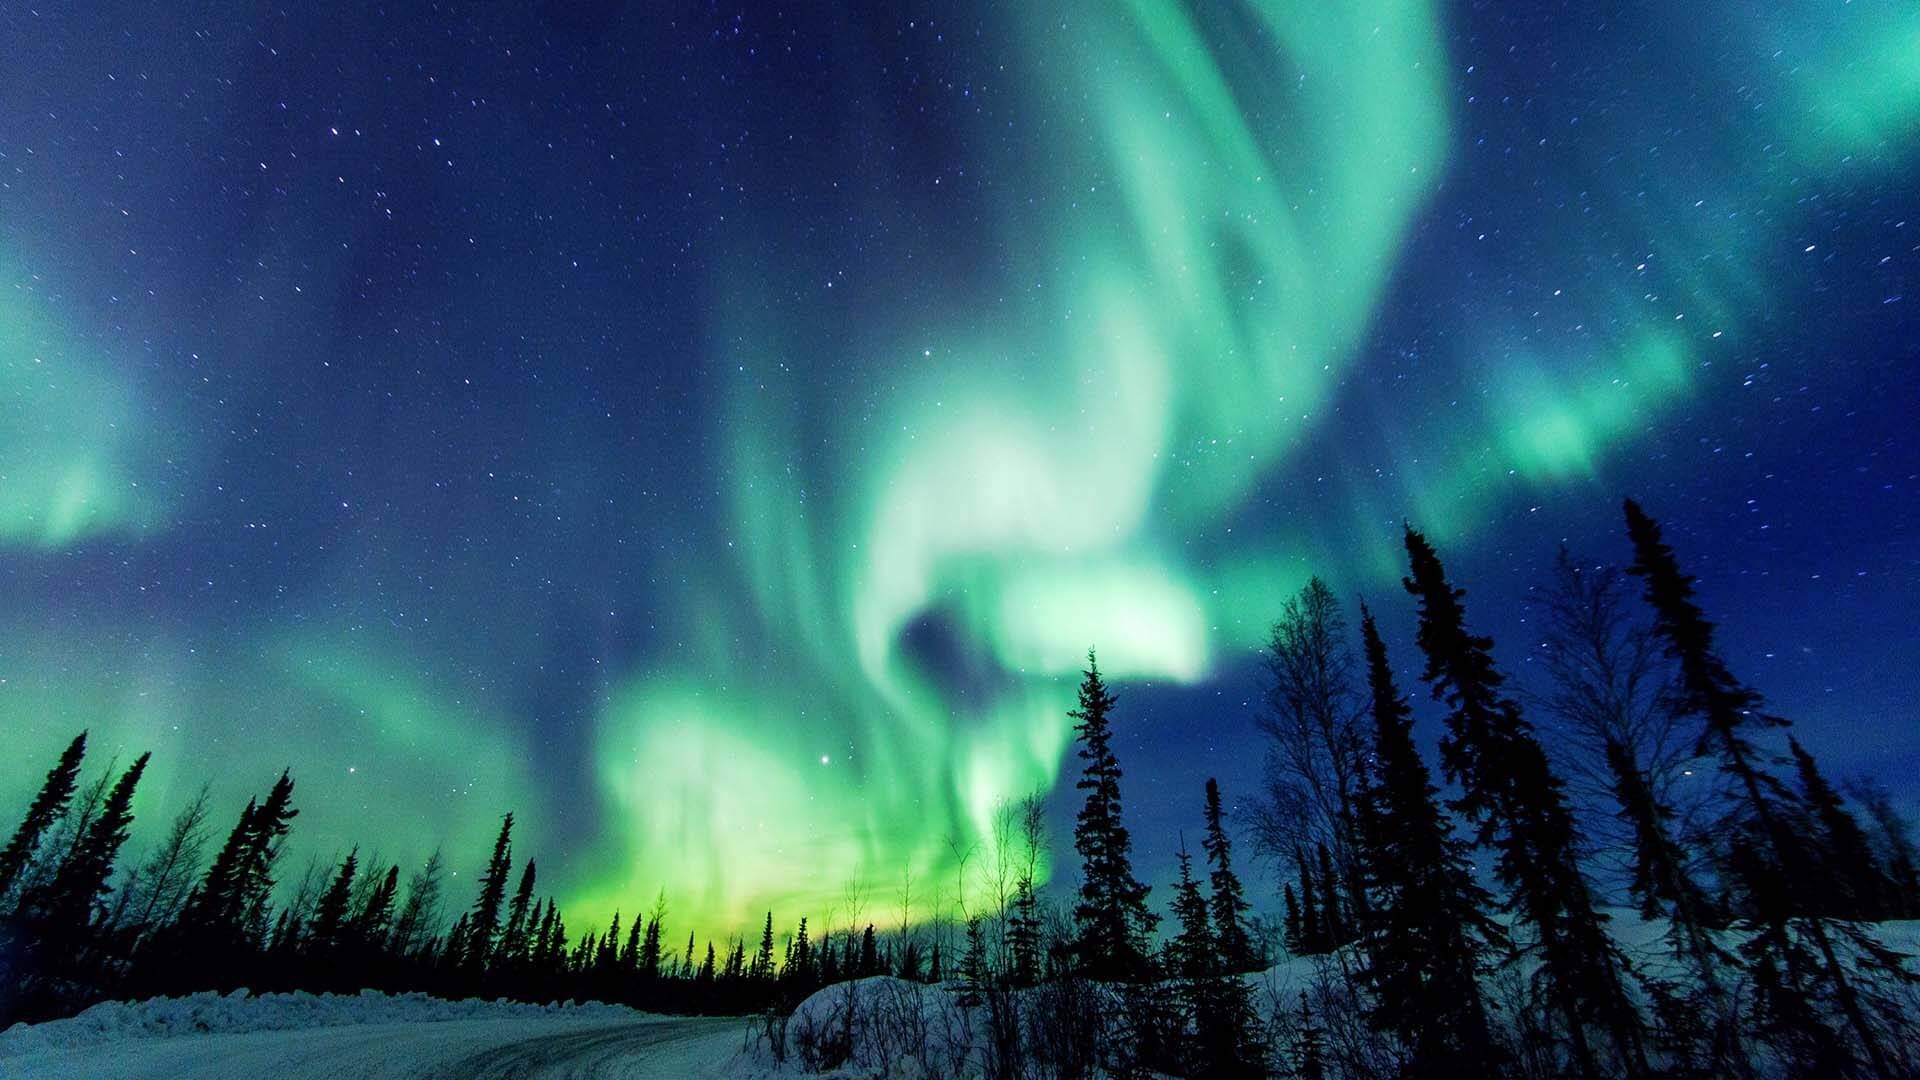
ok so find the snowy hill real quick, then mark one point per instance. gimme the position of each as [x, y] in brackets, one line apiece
[868, 1028]
[296, 1035]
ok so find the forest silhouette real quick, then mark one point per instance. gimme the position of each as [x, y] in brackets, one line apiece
[1462, 931]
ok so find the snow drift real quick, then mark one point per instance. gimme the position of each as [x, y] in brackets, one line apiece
[240, 1011]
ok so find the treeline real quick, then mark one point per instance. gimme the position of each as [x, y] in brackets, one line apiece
[1455, 934]
[80, 927]
[1466, 936]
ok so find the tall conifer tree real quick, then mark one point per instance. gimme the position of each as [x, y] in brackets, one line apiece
[1312, 939]
[69, 902]
[56, 793]
[1425, 927]
[266, 830]
[331, 914]
[483, 922]
[513, 940]
[213, 901]
[1228, 904]
[1791, 951]
[1512, 794]
[1112, 917]
[762, 968]
[371, 923]
[1853, 885]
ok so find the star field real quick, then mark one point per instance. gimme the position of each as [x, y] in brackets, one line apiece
[717, 434]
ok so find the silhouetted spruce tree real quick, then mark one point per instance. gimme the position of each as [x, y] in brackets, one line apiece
[799, 966]
[618, 955]
[1659, 878]
[157, 891]
[1290, 927]
[69, 903]
[1193, 960]
[513, 938]
[1333, 915]
[638, 954]
[285, 935]
[556, 961]
[63, 840]
[454, 953]
[216, 903]
[552, 934]
[1192, 954]
[630, 952]
[585, 957]
[838, 962]
[542, 935]
[869, 953]
[1215, 1002]
[1790, 951]
[762, 968]
[1313, 931]
[1425, 929]
[1730, 713]
[605, 952]
[1512, 794]
[1309, 1044]
[1023, 933]
[224, 925]
[56, 792]
[1112, 918]
[372, 922]
[975, 976]
[1228, 905]
[483, 922]
[205, 946]
[330, 915]
[1893, 838]
[269, 829]
[1700, 1011]
[413, 929]
[299, 907]
[1854, 885]
[650, 943]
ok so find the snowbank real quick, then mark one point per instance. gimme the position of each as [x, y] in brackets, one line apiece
[211, 1013]
[883, 1026]
[889, 1027]
[878, 1024]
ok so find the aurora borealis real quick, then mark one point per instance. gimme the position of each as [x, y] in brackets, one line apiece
[717, 435]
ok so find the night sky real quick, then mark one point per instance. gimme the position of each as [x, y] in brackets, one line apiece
[717, 433]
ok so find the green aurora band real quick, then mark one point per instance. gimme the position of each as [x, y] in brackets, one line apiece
[69, 430]
[1041, 506]
[1055, 452]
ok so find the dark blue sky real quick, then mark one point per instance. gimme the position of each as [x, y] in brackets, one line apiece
[713, 432]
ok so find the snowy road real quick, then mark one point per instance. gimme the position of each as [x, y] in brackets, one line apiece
[642, 1049]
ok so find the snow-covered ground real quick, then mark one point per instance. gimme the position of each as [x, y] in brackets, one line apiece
[290, 1036]
[907, 1029]
[897, 1029]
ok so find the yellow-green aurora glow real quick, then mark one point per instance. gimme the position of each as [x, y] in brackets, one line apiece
[1033, 478]
[1133, 406]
